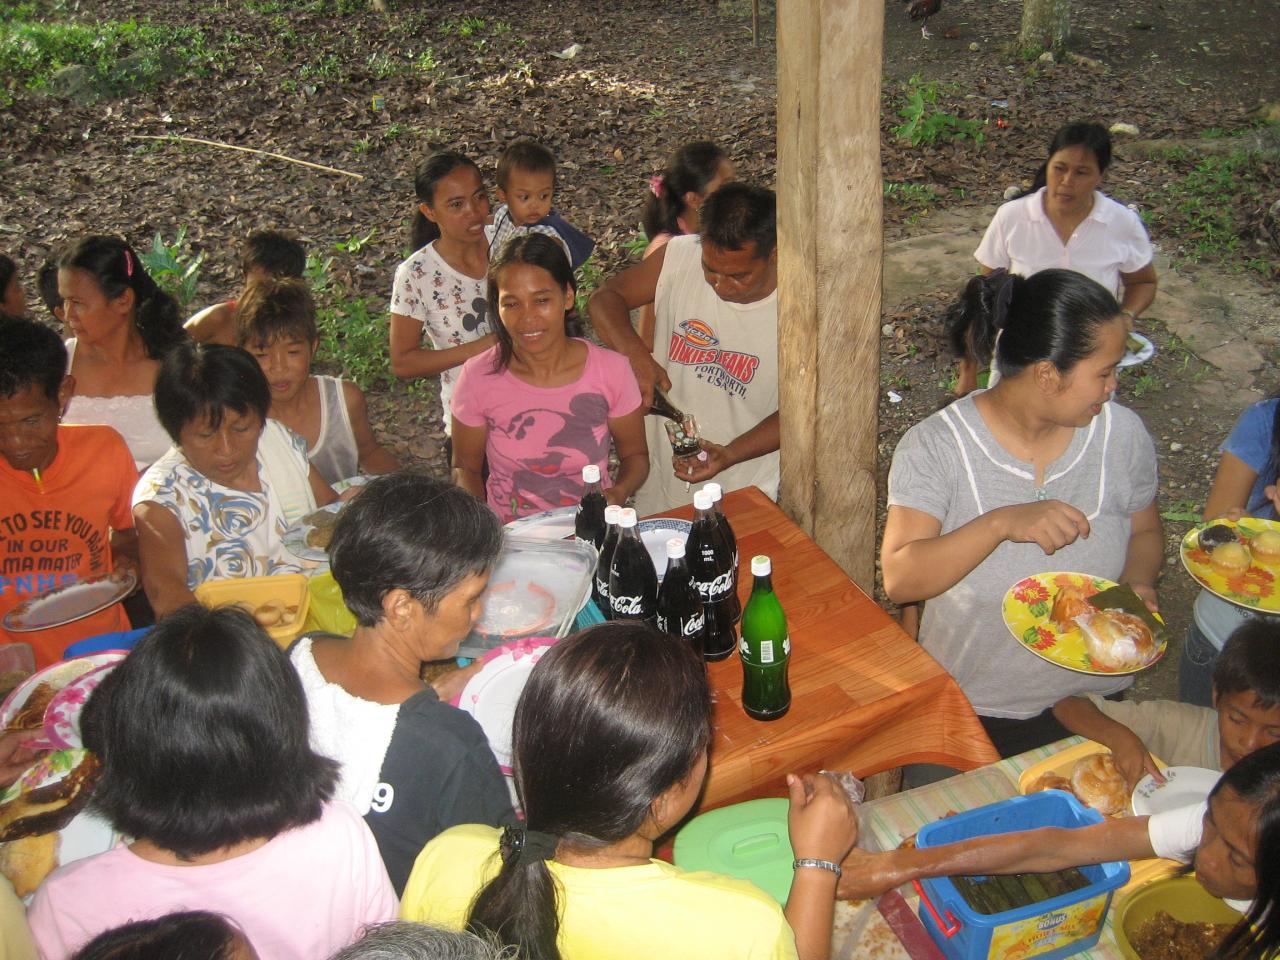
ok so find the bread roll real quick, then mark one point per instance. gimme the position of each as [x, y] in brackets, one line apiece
[1049, 781]
[1230, 559]
[1117, 640]
[26, 862]
[1265, 547]
[269, 613]
[1096, 781]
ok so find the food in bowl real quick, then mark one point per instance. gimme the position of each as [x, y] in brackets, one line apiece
[1161, 937]
[1117, 640]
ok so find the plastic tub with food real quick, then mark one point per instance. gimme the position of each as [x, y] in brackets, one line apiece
[1173, 914]
[279, 602]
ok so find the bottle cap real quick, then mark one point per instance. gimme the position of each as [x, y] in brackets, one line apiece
[675, 548]
[591, 473]
[627, 519]
[612, 512]
[702, 500]
[761, 566]
[715, 490]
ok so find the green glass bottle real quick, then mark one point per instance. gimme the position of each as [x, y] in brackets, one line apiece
[765, 648]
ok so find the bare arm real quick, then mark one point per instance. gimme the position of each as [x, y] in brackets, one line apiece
[213, 324]
[1139, 289]
[761, 439]
[320, 488]
[1231, 488]
[124, 547]
[410, 359]
[633, 452]
[162, 550]
[373, 456]
[468, 457]
[919, 562]
[1032, 851]
[822, 825]
[647, 318]
[1081, 717]
[610, 311]
[1145, 554]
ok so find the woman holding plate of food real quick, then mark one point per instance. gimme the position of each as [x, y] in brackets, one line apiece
[1040, 472]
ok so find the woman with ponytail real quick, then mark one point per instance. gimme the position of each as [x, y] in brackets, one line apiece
[1040, 473]
[693, 173]
[439, 314]
[610, 747]
[122, 325]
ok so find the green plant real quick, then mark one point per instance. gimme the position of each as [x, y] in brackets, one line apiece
[353, 331]
[925, 123]
[1145, 384]
[590, 276]
[354, 244]
[657, 113]
[501, 28]
[363, 145]
[383, 65]
[1182, 511]
[328, 67]
[637, 245]
[427, 62]
[173, 267]
[393, 131]
[1206, 199]
[911, 194]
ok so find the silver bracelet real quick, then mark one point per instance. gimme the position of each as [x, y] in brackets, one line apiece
[820, 864]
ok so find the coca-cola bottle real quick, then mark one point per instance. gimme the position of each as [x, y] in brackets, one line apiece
[711, 564]
[716, 495]
[680, 611]
[633, 583]
[600, 585]
[588, 523]
[661, 406]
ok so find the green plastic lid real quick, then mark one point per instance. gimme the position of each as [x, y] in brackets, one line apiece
[747, 840]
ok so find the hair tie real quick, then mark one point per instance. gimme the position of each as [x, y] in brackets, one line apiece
[128, 263]
[520, 846]
[655, 184]
[1004, 294]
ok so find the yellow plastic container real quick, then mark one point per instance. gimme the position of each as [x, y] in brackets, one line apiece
[1181, 897]
[252, 592]
[1140, 871]
[328, 611]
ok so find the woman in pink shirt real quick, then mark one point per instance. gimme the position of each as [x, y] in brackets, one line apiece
[202, 735]
[540, 404]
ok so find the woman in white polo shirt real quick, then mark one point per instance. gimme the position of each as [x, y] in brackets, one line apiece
[1065, 221]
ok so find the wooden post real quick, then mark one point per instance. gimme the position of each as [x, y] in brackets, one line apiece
[829, 266]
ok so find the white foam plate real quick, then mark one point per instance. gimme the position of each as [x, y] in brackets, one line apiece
[294, 537]
[1132, 359]
[491, 695]
[1182, 787]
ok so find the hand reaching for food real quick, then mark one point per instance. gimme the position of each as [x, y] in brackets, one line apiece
[1134, 760]
[1051, 524]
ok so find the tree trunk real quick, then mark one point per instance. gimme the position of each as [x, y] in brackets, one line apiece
[1046, 25]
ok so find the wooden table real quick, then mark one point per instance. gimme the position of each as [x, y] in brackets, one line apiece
[864, 696]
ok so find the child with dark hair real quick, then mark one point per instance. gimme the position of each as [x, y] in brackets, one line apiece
[13, 297]
[64, 491]
[192, 935]
[610, 742]
[202, 736]
[439, 315]
[542, 404]
[1245, 714]
[265, 254]
[412, 555]
[276, 323]
[122, 326]
[526, 187]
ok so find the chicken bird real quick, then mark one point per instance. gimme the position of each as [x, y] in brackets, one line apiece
[922, 10]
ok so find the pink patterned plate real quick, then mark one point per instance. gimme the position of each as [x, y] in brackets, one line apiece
[491, 695]
[62, 716]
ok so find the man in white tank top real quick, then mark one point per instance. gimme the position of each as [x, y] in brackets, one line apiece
[715, 345]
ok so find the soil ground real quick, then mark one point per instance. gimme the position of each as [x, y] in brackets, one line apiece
[299, 78]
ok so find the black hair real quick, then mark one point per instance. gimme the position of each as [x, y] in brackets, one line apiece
[278, 253]
[1255, 779]
[192, 935]
[32, 354]
[115, 267]
[47, 286]
[1092, 136]
[430, 171]
[276, 308]
[414, 533]
[527, 155]
[1248, 662]
[8, 270]
[690, 170]
[739, 215]
[205, 380]
[202, 732]
[537, 250]
[1052, 315]
[610, 719]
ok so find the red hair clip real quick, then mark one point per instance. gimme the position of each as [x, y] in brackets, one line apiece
[128, 263]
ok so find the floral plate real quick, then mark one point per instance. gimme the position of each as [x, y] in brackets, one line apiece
[1255, 589]
[1026, 609]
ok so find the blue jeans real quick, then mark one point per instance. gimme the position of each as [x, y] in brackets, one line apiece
[1195, 668]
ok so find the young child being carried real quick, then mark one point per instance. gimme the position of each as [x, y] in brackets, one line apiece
[526, 186]
[266, 253]
[276, 323]
[1245, 716]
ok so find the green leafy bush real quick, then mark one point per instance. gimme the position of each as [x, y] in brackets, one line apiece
[925, 123]
[172, 267]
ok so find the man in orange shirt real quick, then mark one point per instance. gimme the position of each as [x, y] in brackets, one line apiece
[64, 492]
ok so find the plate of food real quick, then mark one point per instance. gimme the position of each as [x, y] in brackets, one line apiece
[655, 533]
[71, 602]
[516, 607]
[62, 716]
[490, 696]
[1237, 560]
[1138, 350]
[309, 538]
[1056, 617]
[1182, 787]
[1088, 772]
[25, 708]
